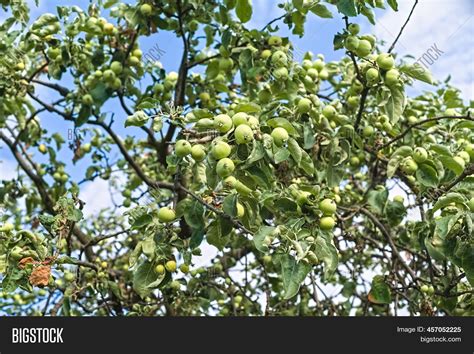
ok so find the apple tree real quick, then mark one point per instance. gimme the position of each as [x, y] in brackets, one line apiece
[284, 165]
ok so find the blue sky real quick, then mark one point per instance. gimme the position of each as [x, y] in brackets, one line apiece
[447, 24]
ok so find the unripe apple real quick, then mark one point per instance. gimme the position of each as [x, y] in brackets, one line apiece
[354, 161]
[198, 152]
[240, 210]
[137, 53]
[412, 120]
[43, 149]
[133, 60]
[7, 227]
[279, 59]
[328, 206]
[368, 131]
[409, 166]
[230, 182]
[469, 148]
[385, 61]
[307, 64]
[451, 112]
[354, 28]
[243, 134]
[364, 48]
[69, 277]
[86, 148]
[329, 112]
[87, 100]
[160, 269]
[280, 136]
[108, 75]
[351, 43]
[398, 199]
[267, 53]
[253, 122]
[267, 259]
[304, 105]
[240, 118]
[109, 28]
[324, 74]
[204, 96]
[313, 73]
[225, 167]
[464, 155]
[170, 266]
[460, 161]
[327, 223]
[184, 268]
[183, 148]
[425, 289]
[372, 75]
[275, 41]
[281, 74]
[318, 65]
[353, 101]
[223, 123]
[226, 64]
[391, 77]
[221, 150]
[146, 9]
[116, 67]
[368, 37]
[420, 155]
[166, 214]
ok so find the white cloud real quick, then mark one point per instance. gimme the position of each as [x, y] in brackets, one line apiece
[263, 12]
[96, 196]
[447, 24]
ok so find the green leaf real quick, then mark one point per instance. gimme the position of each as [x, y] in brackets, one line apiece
[307, 163]
[380, 292]
[327, 252]
[143, 277]
[194, 215]
[395, 104]
[293, 274]
[395, 212]
[427, 175]
[259, 238]
[417, 72]
[347, 7]
[321, 11]
[451, 164]
[142, 220]
[449, 198]
[214, 235]
[248, 107]
[295, 150]
[393, 4]
[377, 199]
[281, 154]
[230, 205]
[244, 10]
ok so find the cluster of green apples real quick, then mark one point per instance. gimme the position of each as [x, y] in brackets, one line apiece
[164, 90]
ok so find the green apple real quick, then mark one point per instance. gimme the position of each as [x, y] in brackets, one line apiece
[226, 64]
[171, 266]
[116, 67]
[183, 148]
[137, 53]
[399, 199]
[43, 149]
[327, 223]
[304, 105]
[223, 123]
[253, 122]
[243, 134]
[225, 167]
[279, 59]
[351, 43]
[240, 210]
[409, 166]
[364, 48]
[385, 61]
[464, 155]
[160, 269]
[425, 289]
[275, 41]
[87, 100]
[280, 136]
[368, 37]
[267, 53]
[281, 74]
[313, 74]
[109, 28]
[221, 150]
[328, 206]
[230, 182]
[469, 148]
[240, 118]
[265, 96]
[318, 65]
[372, 75]
[133, 60]
[108, 75]
[146, 9]
[166, 214]
[87, 147]
[7, 227]
[368, 131]
[329, 112]
[184, 268]
[354, 161]
[198, 152]
[391, 77]
[354, 28]
[460, 161]
[420, 155]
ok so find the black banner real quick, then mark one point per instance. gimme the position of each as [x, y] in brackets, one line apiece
[319, 335]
